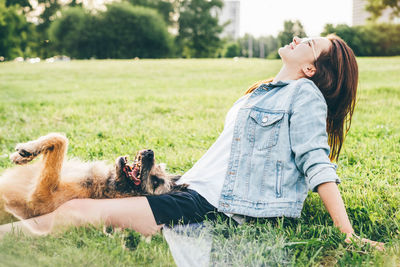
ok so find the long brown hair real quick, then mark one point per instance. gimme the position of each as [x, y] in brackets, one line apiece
[336, 77]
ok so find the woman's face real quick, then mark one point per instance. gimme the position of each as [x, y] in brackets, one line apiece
[303, 51]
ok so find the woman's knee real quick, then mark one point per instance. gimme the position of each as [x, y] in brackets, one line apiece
[150, 229]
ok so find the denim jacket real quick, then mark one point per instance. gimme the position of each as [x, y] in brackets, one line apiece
[279, 151]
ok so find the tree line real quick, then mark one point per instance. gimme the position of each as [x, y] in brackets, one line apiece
[160, 29]
[372, 39]
[125, 29]
[382, 39]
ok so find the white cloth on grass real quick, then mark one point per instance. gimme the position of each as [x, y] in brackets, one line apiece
[190, 245]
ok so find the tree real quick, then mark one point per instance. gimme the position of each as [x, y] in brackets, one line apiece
[122, 31]
[232, 50]
[51, 10]
[166, 8]
[48, 12]
[375, 7]
[290, 29]
[351, 35]
[15, 33]
[369, 40]
[261, 47]
[134, 32]
[271, 44]
[68, 34]
[24, 4]
[199, 30]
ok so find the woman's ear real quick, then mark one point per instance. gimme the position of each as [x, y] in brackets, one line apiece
[309, 70]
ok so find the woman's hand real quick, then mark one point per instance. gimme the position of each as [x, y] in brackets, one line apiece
[350, 237]
[333, 202]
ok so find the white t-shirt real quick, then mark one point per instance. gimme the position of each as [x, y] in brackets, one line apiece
[208, 174]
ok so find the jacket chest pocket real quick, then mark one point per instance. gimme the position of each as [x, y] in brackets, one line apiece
[264, 128]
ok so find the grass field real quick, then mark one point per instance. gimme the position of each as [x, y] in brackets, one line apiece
[177, 108]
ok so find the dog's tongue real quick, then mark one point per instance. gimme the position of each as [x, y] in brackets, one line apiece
[132, 173]
[135, 173]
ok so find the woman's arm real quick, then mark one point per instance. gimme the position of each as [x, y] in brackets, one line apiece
[333, 202]
[309, 143]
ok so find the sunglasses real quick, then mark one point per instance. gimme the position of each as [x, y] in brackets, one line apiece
[310, 42]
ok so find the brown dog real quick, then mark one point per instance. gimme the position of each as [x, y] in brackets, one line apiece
[39, 188]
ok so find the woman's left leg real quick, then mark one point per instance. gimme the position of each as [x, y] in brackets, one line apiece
[134, 213]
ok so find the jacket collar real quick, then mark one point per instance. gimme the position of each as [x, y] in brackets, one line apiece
[279, 83]
[271, 85]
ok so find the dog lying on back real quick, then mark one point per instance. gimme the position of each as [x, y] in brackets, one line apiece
[39, 188]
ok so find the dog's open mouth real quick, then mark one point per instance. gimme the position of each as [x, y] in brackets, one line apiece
[133, 171]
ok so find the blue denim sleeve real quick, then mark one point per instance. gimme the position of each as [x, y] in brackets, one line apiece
[308, 136]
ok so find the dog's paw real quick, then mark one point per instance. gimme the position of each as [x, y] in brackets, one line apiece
[18, 159]
[25, 153]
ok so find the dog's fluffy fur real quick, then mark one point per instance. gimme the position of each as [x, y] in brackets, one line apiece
[39, 188]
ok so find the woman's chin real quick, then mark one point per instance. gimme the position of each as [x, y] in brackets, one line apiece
[282, 52]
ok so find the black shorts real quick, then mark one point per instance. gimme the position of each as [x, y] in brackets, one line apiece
[181, 207]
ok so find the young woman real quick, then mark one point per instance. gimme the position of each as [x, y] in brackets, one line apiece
[277, 143]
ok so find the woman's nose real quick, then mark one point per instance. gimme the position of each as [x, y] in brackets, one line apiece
[296, 40]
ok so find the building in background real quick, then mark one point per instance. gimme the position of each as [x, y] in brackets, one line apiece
[230, 13]
[360, 15]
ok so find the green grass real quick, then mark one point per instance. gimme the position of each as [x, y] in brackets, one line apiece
[177, 107]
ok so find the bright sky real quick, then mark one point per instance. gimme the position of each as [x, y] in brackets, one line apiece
[265, 17]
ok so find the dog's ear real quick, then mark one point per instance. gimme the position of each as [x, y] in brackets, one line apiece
[163, 166]
[180, 187]
[174, 178]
